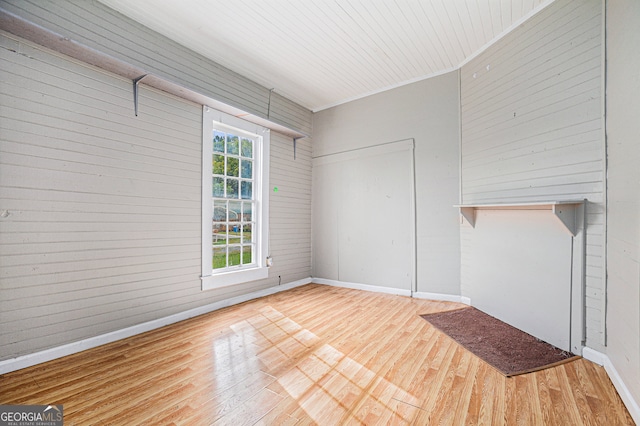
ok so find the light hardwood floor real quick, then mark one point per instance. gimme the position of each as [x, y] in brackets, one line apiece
[312, 355]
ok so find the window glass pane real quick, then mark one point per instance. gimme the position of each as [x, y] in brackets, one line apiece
[233, 143]
[218, 164]
[218, 187]
[247, 212]
[247, 254]
[232, 188]
[235, 211]
[247, 191]
[246, 233]
[232, 166]
[247, 169]
[234, 255]
[219, 211]
[219, 257]
[219, 235]
[218, 141]
[247, 148]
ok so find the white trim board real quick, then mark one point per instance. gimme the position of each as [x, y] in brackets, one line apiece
[24, 361]
[627, 398]
[396, 291]
[442, 297]
[365, 287]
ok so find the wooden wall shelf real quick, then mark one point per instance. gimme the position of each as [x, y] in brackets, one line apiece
[564, 211]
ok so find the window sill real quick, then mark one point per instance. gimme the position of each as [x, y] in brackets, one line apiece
[232, 278]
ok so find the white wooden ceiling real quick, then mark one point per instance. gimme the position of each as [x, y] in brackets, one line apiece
[321, 53]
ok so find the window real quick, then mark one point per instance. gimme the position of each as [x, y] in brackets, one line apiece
[233, 200]
[235, 204]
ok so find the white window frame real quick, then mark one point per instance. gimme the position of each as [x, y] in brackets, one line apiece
[216, 279]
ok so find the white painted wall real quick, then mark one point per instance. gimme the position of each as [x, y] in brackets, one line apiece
[101, 210]
[532, 130]
[367, 203]
[520, 272]
[427, 112]
[623, 209]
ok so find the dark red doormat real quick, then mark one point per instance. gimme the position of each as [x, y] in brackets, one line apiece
[509, 350]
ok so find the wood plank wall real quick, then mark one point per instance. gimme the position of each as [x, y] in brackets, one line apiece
[95, 25]
[532, 128]
[623, 183]
[101, 209]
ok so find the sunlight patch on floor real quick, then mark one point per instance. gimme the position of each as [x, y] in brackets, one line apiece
[329, 386]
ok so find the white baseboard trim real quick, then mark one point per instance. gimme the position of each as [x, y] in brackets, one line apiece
[29, 360]
[603, 360]
[442, 297]
[365, 287]
[396, 291]
[593, 355]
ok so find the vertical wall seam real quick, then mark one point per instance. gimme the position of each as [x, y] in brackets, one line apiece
[414, 212]
[605, 172]
[460, 198]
